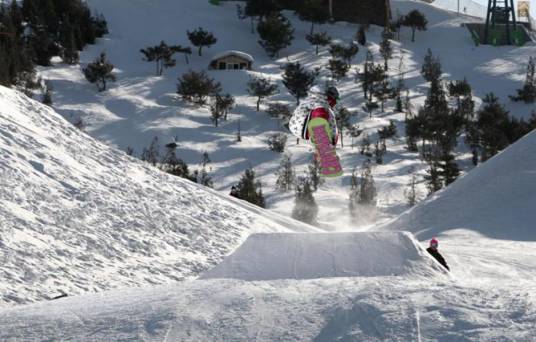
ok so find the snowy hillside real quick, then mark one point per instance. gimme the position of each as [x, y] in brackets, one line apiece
[469, 7]
[496, 199]
[77, 216]
[141, 106]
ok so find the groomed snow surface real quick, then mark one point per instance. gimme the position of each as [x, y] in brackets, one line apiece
[328, 255]
[420, 305]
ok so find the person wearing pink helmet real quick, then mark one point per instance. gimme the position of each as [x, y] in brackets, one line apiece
[434, 244]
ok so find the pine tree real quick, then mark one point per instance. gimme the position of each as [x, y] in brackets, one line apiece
[354, 194]
[238, 132]
[399, 106]
[175, 166]
[344, 52]
[216, 113]
[202, 177]
[462, 92]
[435, 121]
[225, 103]
[318, 39]
[361, 36]
[100, 72]
[376, 81]
[152, 153]
[365, 146]
[386, 50]
[201, 38]
[459, 89]
[277, 142]
[297, 80]
[196, 86]
[221, 106]
[472, 138]
[343, 116]
[411, 192]
[355, 132]
[492, 122]
[365, 76]
[249, 189]
[379, 151]
[314, 174]
[313, 11]
[527, 94]
[47, 96]
[70, 53]
[276, 33]
[416, 20]
[285, 174]
[34, 31]
[162, 55]
[431, 68]
[280, 111]
[205, 160]
[338, 69]
[450, 168]
[367, 187]
[261, 87]
[305, 207]
[387, 132]
[433, 178]
[382, 90]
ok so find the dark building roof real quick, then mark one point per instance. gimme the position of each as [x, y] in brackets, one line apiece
[362, 11]
[357, 11]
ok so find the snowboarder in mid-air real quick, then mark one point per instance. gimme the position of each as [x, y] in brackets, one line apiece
[314, 120]
[435, 253]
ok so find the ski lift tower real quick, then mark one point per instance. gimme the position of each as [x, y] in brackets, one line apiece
[500, 20]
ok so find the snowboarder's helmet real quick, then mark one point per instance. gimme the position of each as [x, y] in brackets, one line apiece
[434, 243]
[332, 92]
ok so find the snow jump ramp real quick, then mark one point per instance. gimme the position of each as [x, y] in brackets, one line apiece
[325, 255]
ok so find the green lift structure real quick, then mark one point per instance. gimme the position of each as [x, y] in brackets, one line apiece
[501, 24]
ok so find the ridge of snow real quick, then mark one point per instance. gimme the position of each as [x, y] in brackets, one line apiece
[273, 256]
[77, 215]
[496, 199]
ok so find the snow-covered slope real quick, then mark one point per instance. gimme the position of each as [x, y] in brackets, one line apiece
[468, 7]
[410, 307]
[78, 216]
[140, 106]
[496, 199]
[327, 255]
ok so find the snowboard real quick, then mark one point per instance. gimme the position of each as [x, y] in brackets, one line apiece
[320, 135]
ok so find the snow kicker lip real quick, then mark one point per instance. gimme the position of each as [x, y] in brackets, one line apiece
[324, 255]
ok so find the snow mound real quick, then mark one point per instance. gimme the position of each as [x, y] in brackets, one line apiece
[496, 199]
[78, 216]
[323, 255]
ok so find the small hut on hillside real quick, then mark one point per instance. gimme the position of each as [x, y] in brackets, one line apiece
[232, 60]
